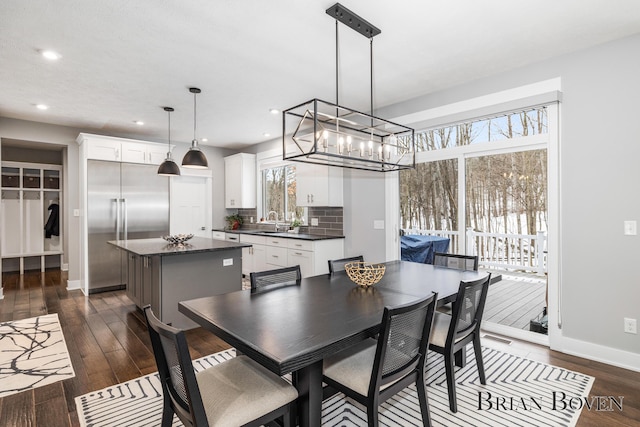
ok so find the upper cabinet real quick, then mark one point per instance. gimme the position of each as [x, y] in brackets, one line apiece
[123, 150]
[318, 185]
[240, 181]
[134, 152]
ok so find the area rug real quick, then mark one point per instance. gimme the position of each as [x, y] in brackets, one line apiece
[518, 392]
[33, 353]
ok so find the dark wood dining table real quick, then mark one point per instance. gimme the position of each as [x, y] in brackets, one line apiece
[292, 329]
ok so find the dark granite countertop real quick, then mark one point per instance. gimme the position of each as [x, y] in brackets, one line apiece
[301, 236]
[148, 247]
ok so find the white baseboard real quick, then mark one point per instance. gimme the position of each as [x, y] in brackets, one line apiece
[64, 267]
[516, 333]
[73, 285]
[600, 353]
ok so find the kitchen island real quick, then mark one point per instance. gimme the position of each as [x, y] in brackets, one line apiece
[162, 274]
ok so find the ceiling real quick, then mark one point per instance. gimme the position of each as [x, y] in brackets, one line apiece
[123, 60]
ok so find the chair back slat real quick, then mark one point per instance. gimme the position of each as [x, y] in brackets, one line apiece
[458, 262]
[405, 337]
[403, 340]
[275, 278]
[175, 368]
[175, 379]
[469, 305]
[336, 265]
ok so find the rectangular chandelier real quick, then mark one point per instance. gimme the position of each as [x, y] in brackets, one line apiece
[323, 133]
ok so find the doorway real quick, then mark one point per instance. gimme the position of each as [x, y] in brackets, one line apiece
[191, 206]
[483, 185]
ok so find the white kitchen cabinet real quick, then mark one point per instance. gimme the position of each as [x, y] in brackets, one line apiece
[138, 152]
[104, 149]
[101, 147]
[318, 185]
[302, 258]
[313, 255]
[253, 258]
[270, 252]
[240, 181]
[218, 235]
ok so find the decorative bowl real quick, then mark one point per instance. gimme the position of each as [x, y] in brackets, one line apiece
[177, 239]
[364, 274]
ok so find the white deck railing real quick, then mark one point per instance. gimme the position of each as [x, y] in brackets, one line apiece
[511, 251]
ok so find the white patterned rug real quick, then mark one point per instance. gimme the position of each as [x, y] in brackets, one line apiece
[32, 354]
[519, 392]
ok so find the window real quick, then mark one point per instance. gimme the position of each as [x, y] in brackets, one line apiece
[279, 194]
[508, 126]
[496, 168]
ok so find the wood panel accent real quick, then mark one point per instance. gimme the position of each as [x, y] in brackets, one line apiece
[112, 316]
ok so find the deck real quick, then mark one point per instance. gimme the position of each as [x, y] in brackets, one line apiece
[516, 299]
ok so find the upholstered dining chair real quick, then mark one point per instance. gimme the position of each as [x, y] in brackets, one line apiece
[336, 265]
[206, 398]
[270, 279]
[376, 369]
[452, 333]
[459, 262]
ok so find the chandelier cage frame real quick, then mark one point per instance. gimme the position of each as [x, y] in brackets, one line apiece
[325, 133]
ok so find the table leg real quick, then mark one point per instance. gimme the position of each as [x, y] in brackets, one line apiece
[308, 381]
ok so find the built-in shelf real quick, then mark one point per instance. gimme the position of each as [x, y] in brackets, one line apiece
[31, 195]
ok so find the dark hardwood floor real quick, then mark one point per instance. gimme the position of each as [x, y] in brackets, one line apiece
[108, 344]
[107, 340]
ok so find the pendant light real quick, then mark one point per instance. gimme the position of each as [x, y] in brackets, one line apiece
[169, 167]
[331, 134]
[194, 158]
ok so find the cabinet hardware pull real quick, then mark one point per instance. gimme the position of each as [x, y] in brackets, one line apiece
[298, 253]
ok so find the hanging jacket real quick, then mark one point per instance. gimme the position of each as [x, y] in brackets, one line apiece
[52, 227]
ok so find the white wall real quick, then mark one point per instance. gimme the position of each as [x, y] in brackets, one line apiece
[364, 203]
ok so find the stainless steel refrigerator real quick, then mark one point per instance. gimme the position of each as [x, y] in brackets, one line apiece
[124, 201]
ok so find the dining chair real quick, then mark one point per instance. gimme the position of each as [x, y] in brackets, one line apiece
[269, 279]
[459, 262]
[238, 392]
[336, 265]
[376, 369]
[452, 333]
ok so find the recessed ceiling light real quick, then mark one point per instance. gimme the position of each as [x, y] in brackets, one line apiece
[51, 55]
[139, 122]
[266, 134]
[204, 140]
[42, 107]
[274, 111]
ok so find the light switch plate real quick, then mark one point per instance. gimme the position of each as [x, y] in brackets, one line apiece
[76, 212]
[630, 228]
[378, 224]
[314, 222]
[226, 262]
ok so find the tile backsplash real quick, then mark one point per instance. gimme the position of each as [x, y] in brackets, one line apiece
[330, 221]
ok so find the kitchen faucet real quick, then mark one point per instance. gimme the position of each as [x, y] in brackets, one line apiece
[275, 219]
